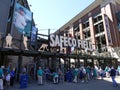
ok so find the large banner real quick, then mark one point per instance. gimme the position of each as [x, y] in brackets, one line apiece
[33, 35]
[118, 20]
[22, 20]
[108, 30]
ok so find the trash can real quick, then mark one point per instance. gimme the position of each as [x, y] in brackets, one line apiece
[23, 80]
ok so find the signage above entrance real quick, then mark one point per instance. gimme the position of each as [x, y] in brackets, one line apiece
[57, 40]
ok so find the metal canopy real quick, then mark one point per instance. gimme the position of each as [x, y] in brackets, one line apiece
[47, 54]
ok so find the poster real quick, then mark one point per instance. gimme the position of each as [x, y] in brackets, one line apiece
[33, 35]
[108, 30]
[118, 20]
[22, 19]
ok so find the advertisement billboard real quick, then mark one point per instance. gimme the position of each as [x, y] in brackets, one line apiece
[33, 35]
[118, 20]
[22, 20]
[108, 30]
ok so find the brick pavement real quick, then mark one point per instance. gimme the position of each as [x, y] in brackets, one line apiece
[91, 85]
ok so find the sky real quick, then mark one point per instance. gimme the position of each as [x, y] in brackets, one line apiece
[53, 14]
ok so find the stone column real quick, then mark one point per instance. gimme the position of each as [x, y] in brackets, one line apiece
[108, 24]
[81, 31]
[71, 30]
[92, 33]
[20, 60]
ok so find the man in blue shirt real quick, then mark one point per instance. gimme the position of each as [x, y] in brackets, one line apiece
[113, 74]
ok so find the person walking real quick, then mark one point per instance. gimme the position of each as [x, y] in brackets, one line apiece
[113, 74]
[101, 73]
[12, 73]
[69, 75]
[118, 69]
[1, 78]
[7, 78]
[40, 76]
[107, 69]
[55, 77]
[76, 72]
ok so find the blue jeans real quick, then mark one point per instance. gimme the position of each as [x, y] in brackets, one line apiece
[114, 81]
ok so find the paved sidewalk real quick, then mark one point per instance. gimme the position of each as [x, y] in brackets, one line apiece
[91, 85]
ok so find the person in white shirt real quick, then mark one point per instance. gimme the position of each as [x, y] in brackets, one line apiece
[8, 79]
[19, 19]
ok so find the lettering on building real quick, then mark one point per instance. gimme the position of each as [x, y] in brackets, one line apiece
[56, 40]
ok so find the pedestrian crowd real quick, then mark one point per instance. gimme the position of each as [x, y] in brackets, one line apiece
[7, 77]
[75, 75]
[81, 74]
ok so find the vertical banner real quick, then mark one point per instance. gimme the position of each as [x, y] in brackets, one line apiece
[33, 35]
[22, 21]
[108, 30]
[118, 20]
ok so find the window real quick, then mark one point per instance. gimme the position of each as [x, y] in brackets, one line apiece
[86, 34]
[99, 28]
[76, 31]
[77, 35]
[97, 18]
[76, 28]
[86, 24]
[101, 42]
